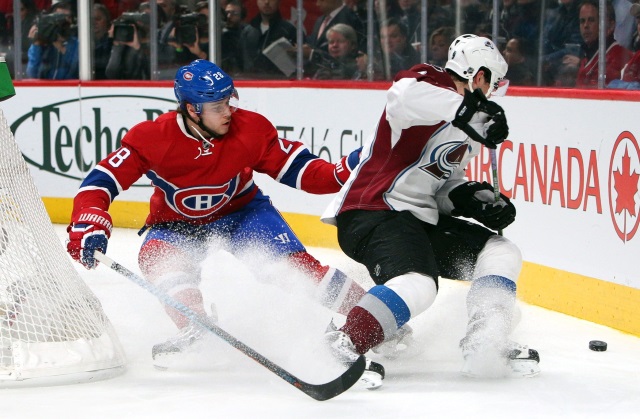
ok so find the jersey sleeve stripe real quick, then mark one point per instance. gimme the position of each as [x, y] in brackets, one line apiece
[101, 179]
[291, 161]
[111, 176]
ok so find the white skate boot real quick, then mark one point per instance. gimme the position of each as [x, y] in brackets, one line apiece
[400, 344]
[488, 353]
[166, 354]
[345, 352]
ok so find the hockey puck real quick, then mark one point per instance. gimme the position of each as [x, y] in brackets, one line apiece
[598, 345]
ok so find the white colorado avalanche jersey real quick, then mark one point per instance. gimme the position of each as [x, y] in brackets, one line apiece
[415, 156]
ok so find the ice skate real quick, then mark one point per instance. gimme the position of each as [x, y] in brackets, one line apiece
[489, 353]
[400, 344]
[166, 354]
[522, 360]
[345, 352]
[509, 359]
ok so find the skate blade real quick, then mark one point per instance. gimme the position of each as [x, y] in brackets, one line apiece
[524, 368]
[371, 380]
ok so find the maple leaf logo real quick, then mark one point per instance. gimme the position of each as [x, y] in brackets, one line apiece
[626, 186]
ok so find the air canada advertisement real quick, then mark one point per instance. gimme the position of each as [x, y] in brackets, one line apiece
[572, 167]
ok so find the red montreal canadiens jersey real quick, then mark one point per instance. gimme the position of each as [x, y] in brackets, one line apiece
[198, 183]
[416, 156]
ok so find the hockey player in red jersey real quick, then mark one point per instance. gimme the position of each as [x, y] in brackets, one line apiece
[397, 212]
[200, 160]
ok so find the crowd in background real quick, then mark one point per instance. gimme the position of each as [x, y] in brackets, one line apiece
[552, 46]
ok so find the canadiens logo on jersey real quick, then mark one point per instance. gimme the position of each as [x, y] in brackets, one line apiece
[444, 159]
[198, 201]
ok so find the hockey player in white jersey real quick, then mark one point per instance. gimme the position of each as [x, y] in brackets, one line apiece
[397, 213]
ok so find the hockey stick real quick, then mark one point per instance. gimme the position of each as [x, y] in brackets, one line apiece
[496, 181]
[474, 135]
[319, 392]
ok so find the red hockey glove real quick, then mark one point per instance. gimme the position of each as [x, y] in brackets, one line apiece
[89, 231]
[346, 165]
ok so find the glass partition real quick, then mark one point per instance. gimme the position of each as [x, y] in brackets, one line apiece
[546, 43]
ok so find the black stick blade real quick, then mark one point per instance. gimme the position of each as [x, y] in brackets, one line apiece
[336, 387]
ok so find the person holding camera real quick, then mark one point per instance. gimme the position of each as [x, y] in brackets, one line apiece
[54, 52]
[190, 37]
[129, 59]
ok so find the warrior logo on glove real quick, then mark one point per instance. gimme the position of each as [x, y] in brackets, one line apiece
[89, 231]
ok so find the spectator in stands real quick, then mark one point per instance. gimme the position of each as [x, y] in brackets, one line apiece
[518, 54]
[28, 16]
[231, 54]
[333, 12]
[587, 66]
[54, 52]
[130, 60]
[635, 12]
[190, 49]
[625, 23]
[101, 39]
[63, 5]
[630, 74]
[397, 52]
[409, 16]
[202, 7]
[562, 32]
[437, 17]
[476, 17]
[341, 62]
[439, 42]
[517, 19]
[359, 7]
[166, 51]
[265, 28]
[118, 7]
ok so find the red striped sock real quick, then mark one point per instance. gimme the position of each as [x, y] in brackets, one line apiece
[363, 329]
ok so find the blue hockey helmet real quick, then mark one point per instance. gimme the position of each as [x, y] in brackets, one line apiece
[200, 82]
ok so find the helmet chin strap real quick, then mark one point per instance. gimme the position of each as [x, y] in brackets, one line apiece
[212, 133]
[202, 127]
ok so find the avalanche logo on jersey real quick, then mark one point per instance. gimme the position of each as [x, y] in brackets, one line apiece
[198, 201]
[444, 159]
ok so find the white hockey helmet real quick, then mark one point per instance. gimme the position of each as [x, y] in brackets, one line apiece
[468, 53]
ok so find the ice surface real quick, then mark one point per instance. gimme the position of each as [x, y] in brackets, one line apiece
[283, 325]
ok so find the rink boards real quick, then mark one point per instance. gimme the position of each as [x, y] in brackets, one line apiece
[571, 166]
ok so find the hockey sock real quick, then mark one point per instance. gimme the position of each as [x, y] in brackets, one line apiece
[490, 305]
[336, 290]
[381, 312]
[363, 329]
[491, 291]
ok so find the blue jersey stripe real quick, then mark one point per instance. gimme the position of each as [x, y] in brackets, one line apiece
[292, 174]
[99, 179]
